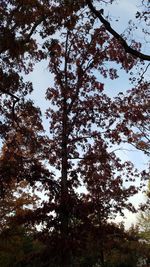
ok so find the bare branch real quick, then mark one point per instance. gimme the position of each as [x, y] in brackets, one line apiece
[142, 76]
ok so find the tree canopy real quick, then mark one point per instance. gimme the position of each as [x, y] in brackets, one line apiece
[75, 164]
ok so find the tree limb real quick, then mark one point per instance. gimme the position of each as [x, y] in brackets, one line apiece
[25, 40]
[108, 27]
[15, 100]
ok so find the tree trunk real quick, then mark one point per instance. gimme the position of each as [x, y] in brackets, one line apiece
[65, 254]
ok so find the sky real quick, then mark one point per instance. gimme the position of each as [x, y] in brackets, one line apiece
[42, 79]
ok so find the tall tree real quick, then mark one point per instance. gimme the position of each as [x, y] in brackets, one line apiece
[85, 123]
[80, 116]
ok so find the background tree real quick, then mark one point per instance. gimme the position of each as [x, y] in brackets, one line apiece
[16, 202]
[143, 219]
[126, 249]
[18, 247]
[18, 243]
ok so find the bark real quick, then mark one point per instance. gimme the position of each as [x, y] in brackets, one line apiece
[64, 192]
[64, 175]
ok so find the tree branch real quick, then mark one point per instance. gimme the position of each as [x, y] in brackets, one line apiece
[25, 40]
[108, 27]
[15, 100]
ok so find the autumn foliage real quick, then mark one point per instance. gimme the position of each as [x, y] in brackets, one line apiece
[61, 188]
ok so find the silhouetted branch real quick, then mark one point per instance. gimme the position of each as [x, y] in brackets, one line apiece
[108, 27]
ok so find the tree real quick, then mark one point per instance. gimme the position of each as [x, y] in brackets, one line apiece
[86, 125]
[126, 249]
[16, 202]
[80, 117]
[143, 224]
[18, 248]
[143, 219]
